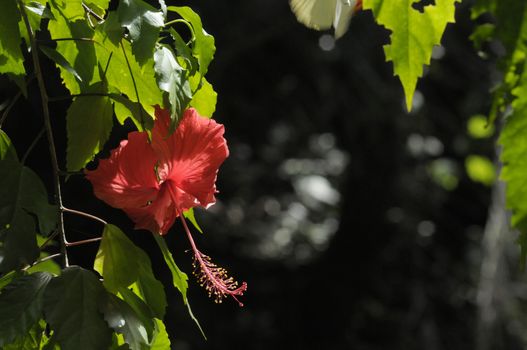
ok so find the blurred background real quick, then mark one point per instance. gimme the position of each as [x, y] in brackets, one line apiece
[355, 224]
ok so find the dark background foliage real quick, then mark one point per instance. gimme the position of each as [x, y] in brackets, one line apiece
[328, 206]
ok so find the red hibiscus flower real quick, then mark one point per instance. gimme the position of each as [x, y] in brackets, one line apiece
[155, 181]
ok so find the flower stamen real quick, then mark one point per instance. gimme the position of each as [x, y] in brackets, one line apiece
[213, 278]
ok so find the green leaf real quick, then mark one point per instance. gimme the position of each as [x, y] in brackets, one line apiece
[513, 140]
[22, 195]
[143, 23]
[57, 57]
[511, 29]
[161, 340]
[179, 278]
[123, 319]
[172, 78]
[413, 36]
[189, 214]
[89, 123]
[7, 150]
[124, 265]
[21, 305]
[203, 47]
[8, 277]
[119, 75]
[142, 311]
[124, 108]
[46, 266]
[71, 307]
[69, 22]
[11, 58]
[204, 100]
[36, 338]
[98, 6]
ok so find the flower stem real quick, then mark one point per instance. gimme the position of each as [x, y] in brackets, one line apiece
[49, 130]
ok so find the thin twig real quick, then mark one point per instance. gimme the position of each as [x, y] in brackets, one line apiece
[81, 213]
[50, 238]
[8, 109]
[68, 173]
[49, 130]
[135, 85]
[53, 256]
[91, 12]
[73, 244]
[64, 39]
[33, 144]
[69, 97]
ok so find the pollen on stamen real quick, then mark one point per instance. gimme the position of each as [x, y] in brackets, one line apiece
[216, 280]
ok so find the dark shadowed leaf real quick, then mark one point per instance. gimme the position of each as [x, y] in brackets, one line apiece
[21, 305]
[71, 307]
[23, 198]
[124, 320]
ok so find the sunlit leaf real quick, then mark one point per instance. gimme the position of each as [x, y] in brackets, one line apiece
[71, 307]
[21, 305]
[510, 28]
[205, 98]
[69, 23]
[179, 278]
[89, 123]
[124, 109]
[161, 340]
[203, 47]
[11, 58]
[143, 23]
[513, 140]
[172, 78]
[137, 82]
[189, 215]
[413, 35]
[124, 265]
[57, 57]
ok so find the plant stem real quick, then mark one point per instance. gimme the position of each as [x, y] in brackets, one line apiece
[72, 244]
[135, 85]
[33, 144]
[81, 213]
[69, 97]
[91, 12]
[53, 256]
[8, 108]
[49, 130]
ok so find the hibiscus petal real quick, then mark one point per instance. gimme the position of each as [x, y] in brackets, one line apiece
[127, 178]
[158, 216]
[191, 156]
